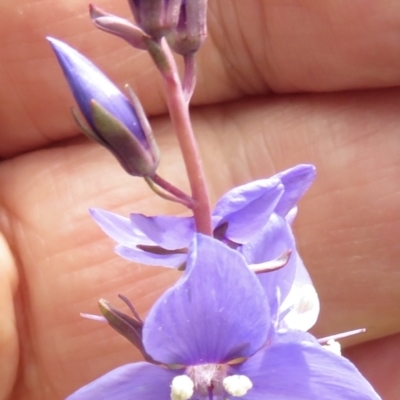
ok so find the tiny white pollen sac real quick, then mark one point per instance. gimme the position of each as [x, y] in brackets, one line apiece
[182, 388]
[334, 347]
[237, 385]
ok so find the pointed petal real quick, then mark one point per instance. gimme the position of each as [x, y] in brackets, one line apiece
[119, 228]
[216, 312]
[148, 258]
[167, 232]
[247, 208]
[296, 181]
[142, 381]
[297, 369]
[302, 300]
[87, 82]
[275, 239]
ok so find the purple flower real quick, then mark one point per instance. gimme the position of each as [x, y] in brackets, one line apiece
[253, 218]
[214, 336]
[113, 121]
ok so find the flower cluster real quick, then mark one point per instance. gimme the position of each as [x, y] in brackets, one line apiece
[235, 324]
[214, 338]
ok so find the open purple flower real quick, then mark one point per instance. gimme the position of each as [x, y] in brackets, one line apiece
[214, 336]
[253, 218]
[113, 121]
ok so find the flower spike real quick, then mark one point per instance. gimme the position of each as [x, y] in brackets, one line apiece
[113, 121]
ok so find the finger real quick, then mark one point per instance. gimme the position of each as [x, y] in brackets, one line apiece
[379, 362]
[347, 228]
[8, 330]
[254, 47]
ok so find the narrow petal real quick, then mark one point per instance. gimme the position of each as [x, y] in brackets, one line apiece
[247, 208]
[88, 82]
[168, 260]
[142, 381]
[119, 228]
[296, 181]
[297, 368]
[216, 312]
[166, 231]
[275, 239]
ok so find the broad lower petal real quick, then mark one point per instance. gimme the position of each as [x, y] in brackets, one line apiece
[168, 232]
[296, 181]
[294, 367]
[142, 381]
[215, 313]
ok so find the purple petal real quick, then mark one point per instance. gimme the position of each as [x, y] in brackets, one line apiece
[247, 208]
[142, 381]
[119, 228]
[148, 258]
[275, 239]
[296, 181]
[87, 82]
[166, 231]
[297, 368]
[216, 312]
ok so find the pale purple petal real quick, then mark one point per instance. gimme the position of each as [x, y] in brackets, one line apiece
[247, 208]
[216, 312]
[145, 257]
[275, 239]
[296, 369]
[119, 228]
[142, 381]
[296, 181]
[168, 232]
[302, 301]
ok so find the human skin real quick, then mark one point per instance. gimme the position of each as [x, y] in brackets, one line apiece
[280, 82]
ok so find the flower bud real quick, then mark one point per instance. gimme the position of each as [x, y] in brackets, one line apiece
[119, 27]
[114, 122]
[191, 29]
[156, 17]
[130, 328]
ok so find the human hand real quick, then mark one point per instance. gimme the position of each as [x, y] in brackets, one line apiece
[348, 223]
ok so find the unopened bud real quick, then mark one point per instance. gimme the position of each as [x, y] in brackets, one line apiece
[119, 27]
[113, 121]
[156, 17]
[191, 29]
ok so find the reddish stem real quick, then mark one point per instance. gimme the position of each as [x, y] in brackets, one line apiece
[179, 113]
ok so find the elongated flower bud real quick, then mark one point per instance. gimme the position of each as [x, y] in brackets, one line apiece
[114, 122]
[119, 27]
[156, 17]
[191, 29]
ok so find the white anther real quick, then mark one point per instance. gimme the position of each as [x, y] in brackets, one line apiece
[334, 347]
[182, 388]
[237, 385]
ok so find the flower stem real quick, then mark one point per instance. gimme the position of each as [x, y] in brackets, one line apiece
[179, 112]
[168, 192]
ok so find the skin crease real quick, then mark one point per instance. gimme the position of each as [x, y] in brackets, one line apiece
[280, 82]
